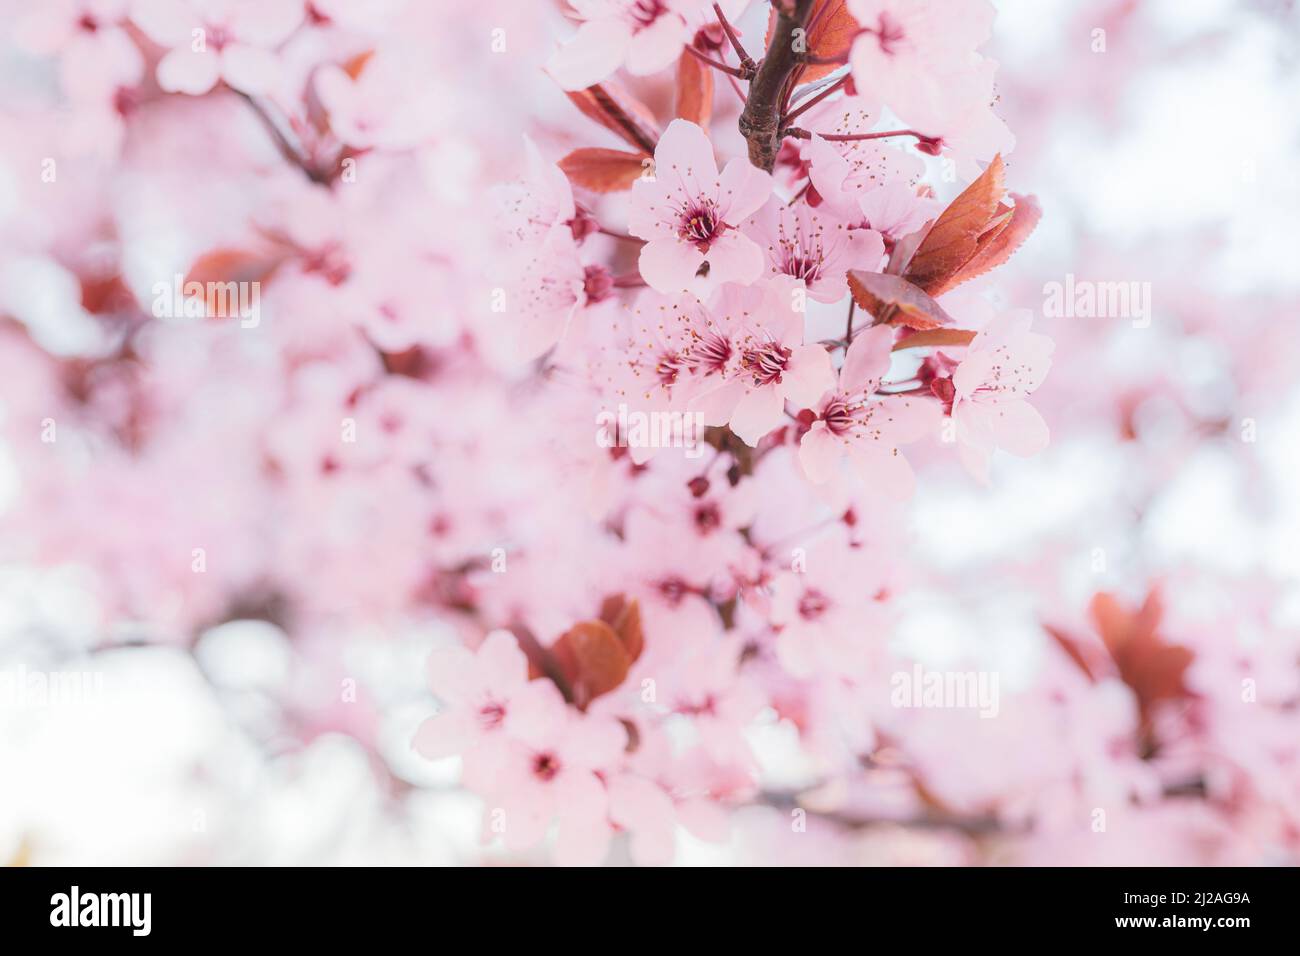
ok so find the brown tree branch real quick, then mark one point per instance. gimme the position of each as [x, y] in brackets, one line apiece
[760, 121]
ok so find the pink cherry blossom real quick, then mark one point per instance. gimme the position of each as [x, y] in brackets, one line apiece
[843, 170]
[852, 421]
[918, 58]
[549, 773]
[814, 247]
[97, 56]
[645, 35]
[768, 365]
[690, 214]
[382, 106]
[480, 695]
[209, 41]
[1005, 363]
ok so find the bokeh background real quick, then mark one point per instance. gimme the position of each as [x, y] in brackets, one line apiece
[261, 712]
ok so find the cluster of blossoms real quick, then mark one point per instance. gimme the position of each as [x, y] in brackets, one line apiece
[631, 431]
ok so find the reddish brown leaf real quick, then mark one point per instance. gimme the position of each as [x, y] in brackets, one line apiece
[831, 35]
[1151, 667]
[694, 91]
[896, 301]
[999, 242]
[954, 238]
[603, 170]
[1079, 653]
[619, 112]
[593, 660]
[935, 337]
[214, 270]
[354, 66]
[232, 265]
[624, 617]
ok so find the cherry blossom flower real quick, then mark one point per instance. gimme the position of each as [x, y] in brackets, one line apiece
[479, 696]
[852, 421]
[1005, 363]
[528, 207]
[829, 614]
[896, 210]
[550, 773]
[842, 170]
[814, 247]
[690, 214]
[645, 35]
[384, 106]
[918, 57]
[210, 41]
[768, 364]
[97, 56]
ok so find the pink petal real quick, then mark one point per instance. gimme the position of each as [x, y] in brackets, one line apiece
[867, 360]
[250, 69]
[183, 71]
[743, 188]
[502, 665]
[808, 375]
[537, 714]
[669, 265]
[593, 53]
[166, 22]
[1018, 428]
[761, 410]
[734, 258]
[267, 23]
[884, 470]
[657, 46]
[819, 453]
[685, 156]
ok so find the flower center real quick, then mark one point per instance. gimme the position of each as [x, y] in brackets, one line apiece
[700, 223]
[673, 590]
[668, 367]
[801, 266]
[491, 715]
[767, 363]
[813, 604]
[889, 33]
[710, 352]
[597, 284]
[708, 517]
[646, 12]
[838, 416]
[545, 766]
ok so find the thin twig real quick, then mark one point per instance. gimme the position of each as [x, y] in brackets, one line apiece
[808, 104]
[286, 148]
[746, 63]
[932, 142]
[731, 70]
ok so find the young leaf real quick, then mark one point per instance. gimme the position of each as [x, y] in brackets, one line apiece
[619, 112]
[694, 91]
[624, 617]
[896, 301]
[603, 170]
[592, 658]
[954, 237]
[829, 37]
[996, 245]
[932, 338]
